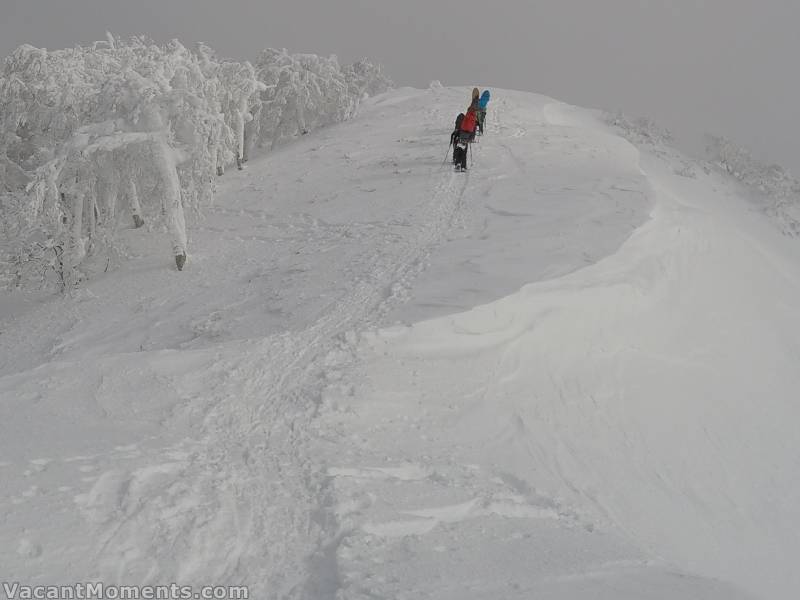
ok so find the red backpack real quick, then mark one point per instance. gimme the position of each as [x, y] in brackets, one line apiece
[470, 122]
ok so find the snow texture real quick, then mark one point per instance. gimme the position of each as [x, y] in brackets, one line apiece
[569, 373]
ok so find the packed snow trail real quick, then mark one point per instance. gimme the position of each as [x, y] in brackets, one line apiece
[270, 417]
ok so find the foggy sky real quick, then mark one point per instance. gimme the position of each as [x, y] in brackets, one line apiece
[721, 66]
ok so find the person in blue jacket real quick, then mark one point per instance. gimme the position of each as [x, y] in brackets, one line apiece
[482, 104]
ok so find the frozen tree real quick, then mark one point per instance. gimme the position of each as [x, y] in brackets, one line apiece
[285, 99]
[119, 122]
[132, 133]
[304, 92]
[368, 78]
[769, 179]
[777, 191]
[641, 130]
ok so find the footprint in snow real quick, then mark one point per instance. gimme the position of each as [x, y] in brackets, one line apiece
[409, 472]
[40, 464]
[28, 548]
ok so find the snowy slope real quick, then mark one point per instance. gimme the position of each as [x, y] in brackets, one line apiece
[569, 373]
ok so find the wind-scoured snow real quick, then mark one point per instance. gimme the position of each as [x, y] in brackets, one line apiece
[567, 373]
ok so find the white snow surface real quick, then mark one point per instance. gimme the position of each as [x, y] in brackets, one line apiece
[570, 373]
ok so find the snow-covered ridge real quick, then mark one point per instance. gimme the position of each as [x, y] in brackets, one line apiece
[129, 133]
[569, 373]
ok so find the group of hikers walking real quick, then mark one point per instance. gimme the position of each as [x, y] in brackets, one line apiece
[467, 127]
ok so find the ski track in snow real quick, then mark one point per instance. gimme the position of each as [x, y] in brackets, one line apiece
[246, 489]
[237, 468]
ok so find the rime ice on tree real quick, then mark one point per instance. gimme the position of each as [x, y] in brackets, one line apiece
[130, 133]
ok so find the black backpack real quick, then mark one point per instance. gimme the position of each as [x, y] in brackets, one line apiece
[459, 118]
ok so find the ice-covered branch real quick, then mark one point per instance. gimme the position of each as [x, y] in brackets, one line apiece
[86, 129]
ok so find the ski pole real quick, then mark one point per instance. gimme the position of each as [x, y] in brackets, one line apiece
[448, 151]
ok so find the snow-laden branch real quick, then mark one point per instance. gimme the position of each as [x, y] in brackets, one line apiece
[90, 131]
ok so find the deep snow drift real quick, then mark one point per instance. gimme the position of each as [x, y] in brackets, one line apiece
[569, 373]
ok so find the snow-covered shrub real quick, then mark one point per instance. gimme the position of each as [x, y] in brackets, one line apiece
[772, 179]
[686, 169]
[639, 130]
[779, 191]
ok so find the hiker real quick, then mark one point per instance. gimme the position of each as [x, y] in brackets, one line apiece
[454, 135]
[470, 122]
[482, 104]
[476, 100]
[462, 136]
[454, 140]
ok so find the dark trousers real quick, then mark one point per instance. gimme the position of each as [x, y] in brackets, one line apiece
[460, 154]
[481, 119]
[460, 157]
